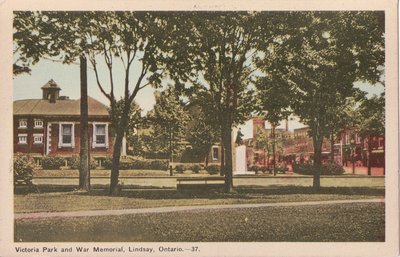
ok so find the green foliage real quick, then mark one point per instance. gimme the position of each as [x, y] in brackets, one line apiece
[213, 169]
[180, 168]
[168, 122]
[127, 164]
[220, 54]
[74, 163]
[372, 116]
[257, 168]
[326, 169]
[322, 66]
[24, 166]
[52, 162]
[196, 168]
[203, 128]
[332, 169]
[129, 37]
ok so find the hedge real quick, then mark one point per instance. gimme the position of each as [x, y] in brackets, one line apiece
[213, 169]
[326, 169]
[180, 168]
[137, 164]
[52, 162]
[24, 166]
[74, 162]
[196, 168]
[257, 168]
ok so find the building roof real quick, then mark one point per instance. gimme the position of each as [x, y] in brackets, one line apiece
[63, 107]
[51, 84]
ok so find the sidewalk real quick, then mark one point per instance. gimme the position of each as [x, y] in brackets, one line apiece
[47, 215]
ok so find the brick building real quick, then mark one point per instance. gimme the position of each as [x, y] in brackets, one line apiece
[349, 143]
[50, 126]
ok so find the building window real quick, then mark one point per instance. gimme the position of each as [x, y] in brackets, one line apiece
[215, 153]
[381, 142]
[38, 124]
[38, 138]
[100, 135]
[22, 138]
[23, 123]
[358, 139]
[66, 135]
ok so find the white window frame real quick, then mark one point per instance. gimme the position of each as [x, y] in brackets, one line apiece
[38, 121]
[21, 142]
[94, 144]
[381, 142]
[358, 139]
[38, 136]
[212, 153]
[23, 121]
[60, 137]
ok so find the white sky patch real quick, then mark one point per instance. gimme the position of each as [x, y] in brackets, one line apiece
[67, 77]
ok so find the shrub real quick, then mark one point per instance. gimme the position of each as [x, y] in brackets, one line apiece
[129, 164]
[180, 168]
[213, 169]
[332, 169]
[74, 163]
[305, 169]
[24, 166]
[159, 165]
[107, 163]
[326, 169]
[255, 168]
[52, 162]
[195, 168]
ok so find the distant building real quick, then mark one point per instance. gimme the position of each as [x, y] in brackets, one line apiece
[50, 126]
[350, 142]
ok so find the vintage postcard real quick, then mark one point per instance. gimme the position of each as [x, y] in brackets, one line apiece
[199, 128]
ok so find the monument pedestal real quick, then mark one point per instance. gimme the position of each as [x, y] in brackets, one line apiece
[241, 162]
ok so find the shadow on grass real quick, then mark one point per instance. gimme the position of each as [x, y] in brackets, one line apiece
[241, 192]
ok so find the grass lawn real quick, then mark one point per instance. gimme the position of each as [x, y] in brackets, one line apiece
[339, 223]
[99, 200]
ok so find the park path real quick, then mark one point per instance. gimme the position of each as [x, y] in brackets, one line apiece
[72, 214]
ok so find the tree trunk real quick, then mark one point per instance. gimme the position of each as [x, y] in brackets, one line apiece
[317, 141]
[227, 142]
[222, 170]
[332, 148]
[116, 161]
[84, 169]
[228, 162]
[369, 155]
[119, 135]
[273, 146]
[170, 145]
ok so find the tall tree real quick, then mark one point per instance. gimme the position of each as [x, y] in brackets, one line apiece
[129, 37]
[41, 35]
[203, 128]
[274, 104]
[328, 52]
[212, 53]
[169, 120]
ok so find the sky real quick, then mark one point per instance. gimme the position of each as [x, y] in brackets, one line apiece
[28, 86]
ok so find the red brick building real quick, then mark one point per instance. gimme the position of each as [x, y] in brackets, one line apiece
[351, 144]
[50, 126]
